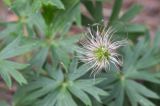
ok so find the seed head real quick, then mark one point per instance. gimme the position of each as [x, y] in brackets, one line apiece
[99, 50]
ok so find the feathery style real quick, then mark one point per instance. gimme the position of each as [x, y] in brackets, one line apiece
[99, 51]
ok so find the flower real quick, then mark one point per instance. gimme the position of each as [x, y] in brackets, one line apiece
[99, 50]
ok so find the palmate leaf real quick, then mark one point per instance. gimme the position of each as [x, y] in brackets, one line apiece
[127, 85]
[80, 94]
[8, 68]
[60, 50]
[61, 47]
[138, 94]
[33, 20]
[59, 90]
[53, 17]
[37, 27]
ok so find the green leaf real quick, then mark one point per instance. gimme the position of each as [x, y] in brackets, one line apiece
[58, 74]
[49, 12]
[96, 103]
[132, 29]
[137, 93]
[148, 60]
[37, 4]
[58, 90]
[95, 92]
[38, 60]
[12, 28]
[87, 82]
[80, 94]
[131, 13]
[79, 72]
[59, 55]
[6, 77]
[42, 86]
[69, 43]
[56, 3]
[135, 72]
[145, 76]
[14, 49]
[50, 100]
[135, 28]
[132, 94]
[113, 93]
[65, 99]
[145, 102]
[36, 24]
[73, 65]
[143, 90]
[121, 96]
[88, 86]
[156, 43]
[95, 10]
[60, 21]
[78, 17]
[115, 11]
[9, 69]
